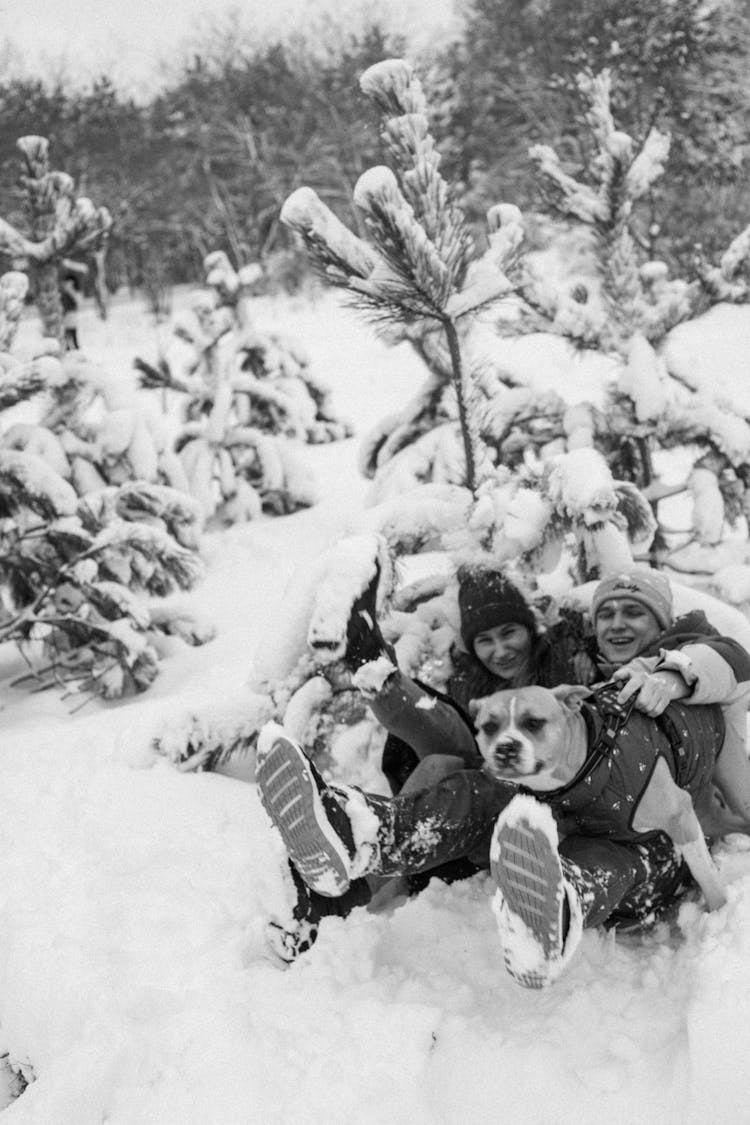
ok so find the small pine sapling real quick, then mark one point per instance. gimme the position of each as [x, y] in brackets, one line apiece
[81, 577]
[410, 272]
[60, 225]
[252, 402]
[627, 313]
[91, 427]
[417, 266]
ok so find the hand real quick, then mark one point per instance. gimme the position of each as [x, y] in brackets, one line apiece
[655, 690]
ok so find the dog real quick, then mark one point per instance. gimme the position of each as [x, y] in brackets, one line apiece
[538, 737]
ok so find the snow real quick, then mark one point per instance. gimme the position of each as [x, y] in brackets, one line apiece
[393, 81]
[648, 164]
[710, 354]
[305, 211]
[134, 977]
[370, 678]
[348, 572]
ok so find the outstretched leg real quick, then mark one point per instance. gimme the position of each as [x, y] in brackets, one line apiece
[335, 833]
[538, 912]
[289, 936]
[548, 891]
[313, 824]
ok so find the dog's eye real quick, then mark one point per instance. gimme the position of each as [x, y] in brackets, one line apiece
[534, 725]
[489, 728]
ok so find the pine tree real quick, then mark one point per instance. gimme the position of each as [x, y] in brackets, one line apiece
[410, 271]
[81, 577]
[60, 225]
[253, 401]
[84, 574]
[629, 312]
[417, 270]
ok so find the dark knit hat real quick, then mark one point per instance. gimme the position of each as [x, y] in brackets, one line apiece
[649, 587]
[487, 598]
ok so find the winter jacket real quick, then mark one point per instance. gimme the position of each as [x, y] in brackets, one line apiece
[716, 669]
[602, 799]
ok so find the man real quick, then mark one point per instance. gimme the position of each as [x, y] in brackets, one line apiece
[547, 888]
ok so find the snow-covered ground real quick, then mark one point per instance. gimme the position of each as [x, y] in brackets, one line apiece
[134, 977]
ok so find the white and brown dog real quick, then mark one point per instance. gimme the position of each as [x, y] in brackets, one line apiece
[538, 738]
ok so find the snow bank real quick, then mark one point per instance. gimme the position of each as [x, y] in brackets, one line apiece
[133, 974]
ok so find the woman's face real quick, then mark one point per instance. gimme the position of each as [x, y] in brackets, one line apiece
[504, 649]
[624, 628]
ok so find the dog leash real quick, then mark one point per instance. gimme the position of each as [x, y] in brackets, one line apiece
[614, 716]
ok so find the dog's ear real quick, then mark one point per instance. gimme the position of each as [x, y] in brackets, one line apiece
[474, 707]
[571, 696]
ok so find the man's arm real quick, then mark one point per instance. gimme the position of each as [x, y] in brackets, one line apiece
[712, 670]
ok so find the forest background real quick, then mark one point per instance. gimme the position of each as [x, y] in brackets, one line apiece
[207, 162]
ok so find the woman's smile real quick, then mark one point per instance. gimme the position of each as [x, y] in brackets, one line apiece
[504, 649]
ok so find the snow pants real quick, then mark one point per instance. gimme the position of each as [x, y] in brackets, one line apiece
[617, 883]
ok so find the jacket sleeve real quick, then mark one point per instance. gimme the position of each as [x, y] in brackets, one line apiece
[716, 669]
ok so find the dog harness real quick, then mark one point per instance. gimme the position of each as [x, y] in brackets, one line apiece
[624, 748]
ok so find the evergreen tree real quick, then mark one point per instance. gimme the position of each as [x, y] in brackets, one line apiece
[511, 80]
[413, 267]
[78, 576]
[418, 270]
[252, 401]
[59, 226]
[82, 571]
[626, 307]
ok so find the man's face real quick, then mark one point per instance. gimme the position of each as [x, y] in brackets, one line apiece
[624, 628]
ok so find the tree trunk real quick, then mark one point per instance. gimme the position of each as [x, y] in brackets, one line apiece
[47, 294]
[463, 413]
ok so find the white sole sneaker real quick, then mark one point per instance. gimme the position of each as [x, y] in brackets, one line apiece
[526, 868]
[291, 797]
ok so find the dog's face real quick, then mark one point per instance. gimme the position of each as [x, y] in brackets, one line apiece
[532, 734]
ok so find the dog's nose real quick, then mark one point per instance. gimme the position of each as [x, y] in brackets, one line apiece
[507, 751]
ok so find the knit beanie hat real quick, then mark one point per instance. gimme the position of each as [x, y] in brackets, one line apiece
[642, 584]
[487, 598]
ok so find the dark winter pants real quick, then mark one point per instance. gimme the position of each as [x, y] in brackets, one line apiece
[616, 882]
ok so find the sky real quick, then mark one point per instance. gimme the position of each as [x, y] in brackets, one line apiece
[129, 41]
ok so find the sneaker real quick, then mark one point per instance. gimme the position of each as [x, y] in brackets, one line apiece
[298, 933]
[315, 829]
[288, 942]
[532, 901]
